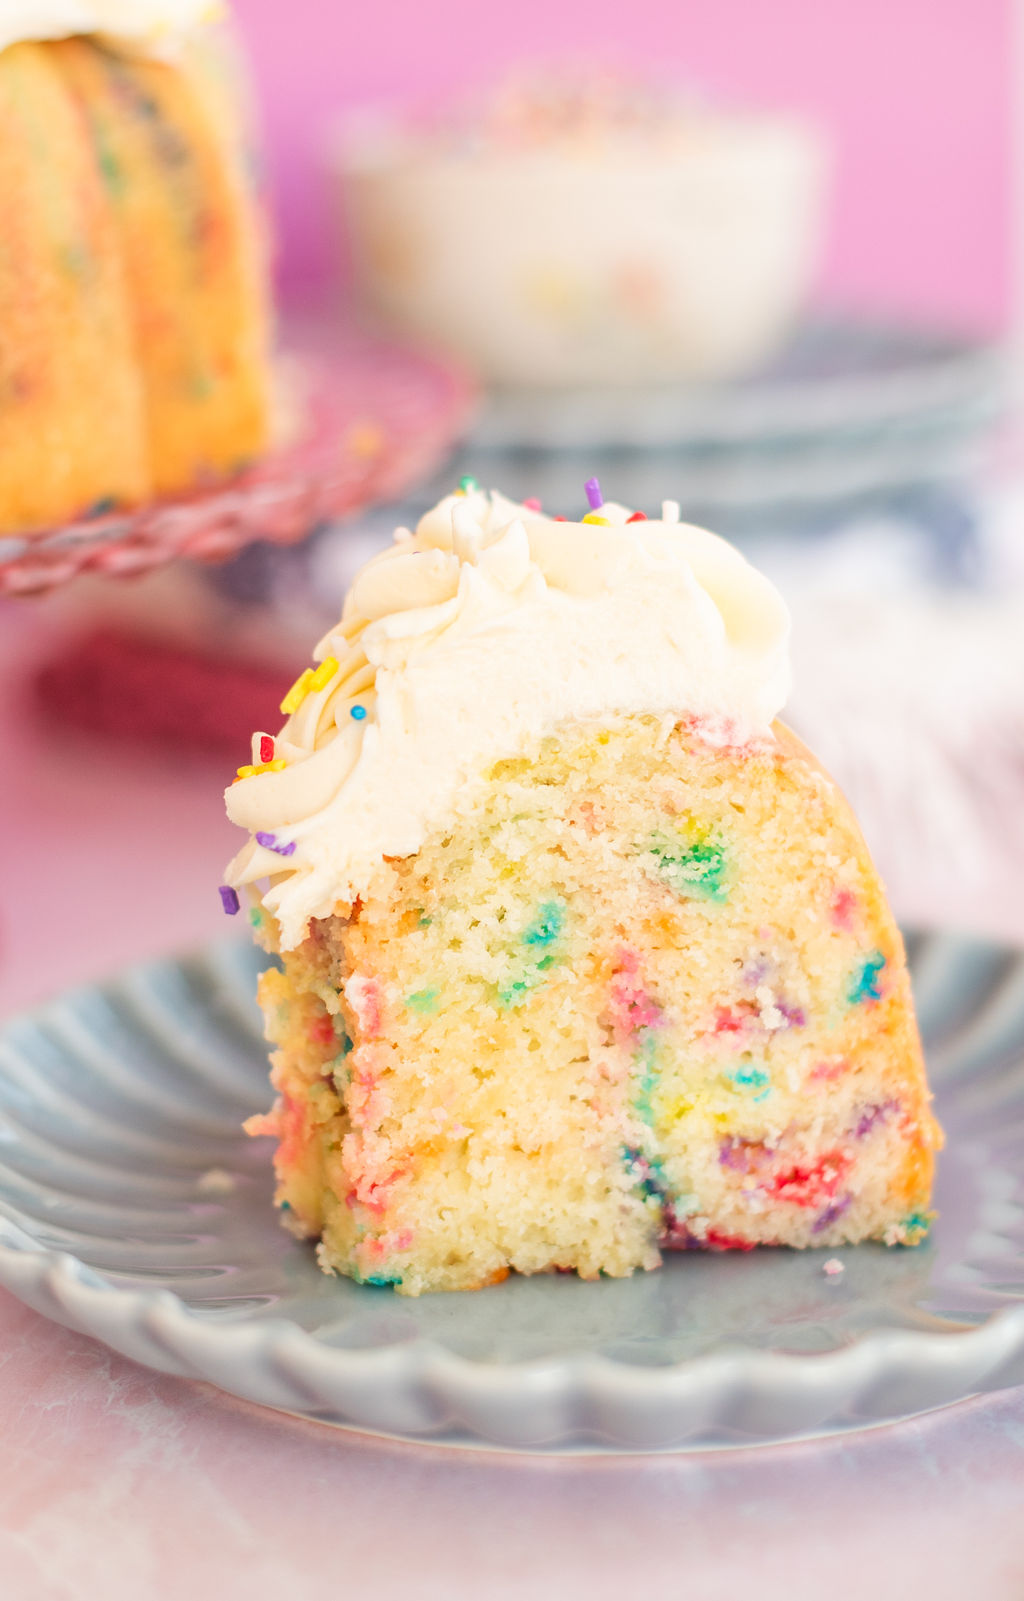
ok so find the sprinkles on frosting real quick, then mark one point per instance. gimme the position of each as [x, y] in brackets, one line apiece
[308, 683]
[480, 534]
[271, 843]
[254, 769]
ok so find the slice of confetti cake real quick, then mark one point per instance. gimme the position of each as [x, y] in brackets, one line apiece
[583, 956]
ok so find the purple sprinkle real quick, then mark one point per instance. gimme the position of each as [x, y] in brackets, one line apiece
[831, 1214]
[270, 841]
[675, 1235]
[873, 1115]
[733, 1153]
[592, 490]
[229, 900]
[743, 1156]
[795, 1016]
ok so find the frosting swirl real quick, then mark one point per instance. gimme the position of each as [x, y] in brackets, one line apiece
[468, 640]
[145, 24]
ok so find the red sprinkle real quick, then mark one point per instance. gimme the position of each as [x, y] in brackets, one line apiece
[266, 748]
[811, 1186]
[637, 517]
[844, 904]
[715, 1240]
[559, 519]
[322, 1031]
[533, 504]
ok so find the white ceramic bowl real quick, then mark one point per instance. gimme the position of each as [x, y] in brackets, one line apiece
[557, 266]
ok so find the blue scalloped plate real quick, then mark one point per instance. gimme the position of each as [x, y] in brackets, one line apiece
[133, 1209]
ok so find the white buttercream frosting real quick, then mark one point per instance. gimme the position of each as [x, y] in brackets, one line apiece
[145, 24]
[471, 638]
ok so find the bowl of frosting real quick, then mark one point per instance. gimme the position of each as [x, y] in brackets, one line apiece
[573, 228]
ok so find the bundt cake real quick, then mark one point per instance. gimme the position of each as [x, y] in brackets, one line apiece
[582, 955]
[133, 294]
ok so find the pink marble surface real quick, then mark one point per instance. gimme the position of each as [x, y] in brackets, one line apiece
[117, 1483]
[120, 1484]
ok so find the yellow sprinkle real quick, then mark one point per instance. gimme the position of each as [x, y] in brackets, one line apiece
[298, 692]
[324, 673]
[592, 517]
[276, 766]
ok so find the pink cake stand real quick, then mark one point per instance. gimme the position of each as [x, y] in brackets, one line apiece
[359, 422]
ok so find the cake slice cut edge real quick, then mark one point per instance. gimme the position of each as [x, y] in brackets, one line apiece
[639, 991]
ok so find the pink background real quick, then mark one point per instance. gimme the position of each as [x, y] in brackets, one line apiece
[915, 94]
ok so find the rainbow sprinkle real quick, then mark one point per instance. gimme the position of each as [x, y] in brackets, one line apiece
[229, 899]
[270, 841]
[533, 504]
[324, 673]
[865, 985]
[467, 485]
[254, 770]
[308, 683]
[298, 692]
[592, 490]
[358, 712]
[592, 517]
[266, 748]
[637, 517]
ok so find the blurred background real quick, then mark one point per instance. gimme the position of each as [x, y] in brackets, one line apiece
[759, 260]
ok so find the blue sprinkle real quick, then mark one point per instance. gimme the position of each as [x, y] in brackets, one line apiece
[752, 1078]
[864, 984]
[358, 712]
[229, 900]
[270, 841]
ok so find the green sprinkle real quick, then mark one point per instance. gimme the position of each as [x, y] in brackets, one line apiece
[514, 992]
[647, 1174]
[468, 484]
[864, 984]
[916, 1227]
[109, 166]
[645, 1058]
[546, 925]
[691, 870]
[256, 917]
[424, 1000]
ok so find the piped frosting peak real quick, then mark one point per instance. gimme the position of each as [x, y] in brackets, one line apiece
[466, 641]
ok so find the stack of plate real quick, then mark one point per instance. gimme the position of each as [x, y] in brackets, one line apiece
[852, 416]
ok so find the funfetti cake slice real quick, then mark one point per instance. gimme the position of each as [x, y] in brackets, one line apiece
[584, 956]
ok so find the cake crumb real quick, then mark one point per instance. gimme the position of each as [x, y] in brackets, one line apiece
[215, 1181]
[833, 1267]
